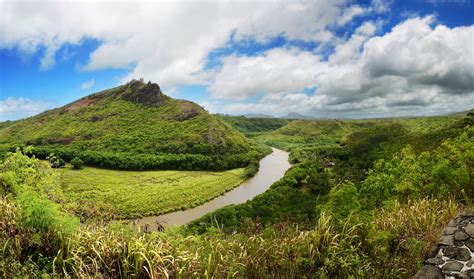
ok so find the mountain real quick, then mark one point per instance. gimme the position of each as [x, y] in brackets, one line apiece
[460, 113]
[258, 115]
[294, 115]
[134, 126]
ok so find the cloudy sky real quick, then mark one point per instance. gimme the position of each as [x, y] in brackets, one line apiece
[328, 58]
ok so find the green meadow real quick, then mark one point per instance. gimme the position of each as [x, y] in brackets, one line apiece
[131, 194]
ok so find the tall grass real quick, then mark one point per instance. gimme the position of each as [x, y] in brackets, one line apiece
[281, 251]
[287, 252]
[402, 234]
[392, 244]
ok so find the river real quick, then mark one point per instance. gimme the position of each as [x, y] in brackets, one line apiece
[272, 168]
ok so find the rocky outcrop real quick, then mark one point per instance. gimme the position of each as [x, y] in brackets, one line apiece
[187, 110]
[146, 94]
[453, 256]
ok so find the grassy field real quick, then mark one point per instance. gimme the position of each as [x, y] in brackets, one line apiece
[132, 194]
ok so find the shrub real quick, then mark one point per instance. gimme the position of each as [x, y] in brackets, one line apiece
[251, 170]
[77, 163]
[55, 161]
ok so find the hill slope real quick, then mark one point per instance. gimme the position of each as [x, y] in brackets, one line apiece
[133, 126]
[254, 126]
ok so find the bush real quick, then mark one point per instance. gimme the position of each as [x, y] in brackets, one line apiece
[55, 161]
[251, 170]
[77, 163]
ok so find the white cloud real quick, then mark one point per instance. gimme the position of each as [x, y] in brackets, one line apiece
[16, 108]
[87, 84]
[164, 41]
[424, 55]
[418, 64]
[48, 60]
[275, 71]
[417, 68]
[380, 6]
[350, 13]
[349, 51]
[376, 6]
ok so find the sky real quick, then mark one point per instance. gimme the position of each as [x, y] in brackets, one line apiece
[332, 58]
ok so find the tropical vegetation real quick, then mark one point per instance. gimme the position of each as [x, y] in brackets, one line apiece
[364, 198]
[134, 126]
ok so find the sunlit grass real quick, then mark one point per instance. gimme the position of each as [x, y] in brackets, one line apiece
[142, 193]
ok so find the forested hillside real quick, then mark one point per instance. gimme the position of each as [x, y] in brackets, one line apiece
[133, 126]
[365, 173]
[348, 153]
[254, 126]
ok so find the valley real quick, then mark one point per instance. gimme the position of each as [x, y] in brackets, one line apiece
[226, 195]
[237, 139]
[271, 169]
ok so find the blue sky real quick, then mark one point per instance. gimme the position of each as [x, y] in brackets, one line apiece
[320, 58]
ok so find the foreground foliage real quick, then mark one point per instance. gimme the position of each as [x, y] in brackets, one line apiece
[383, 249]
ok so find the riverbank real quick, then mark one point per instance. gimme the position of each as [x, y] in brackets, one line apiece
[115, 194]
[271, 169]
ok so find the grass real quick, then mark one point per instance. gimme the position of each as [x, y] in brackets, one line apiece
[142, 193]
[392, 246]
[401, 235]
[117, 252]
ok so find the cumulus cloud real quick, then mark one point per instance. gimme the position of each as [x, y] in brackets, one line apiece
[424, 55]
[276, 71]
[350, 13]
[165, 41]
[349, 51]
[418, 64]
[15, 108]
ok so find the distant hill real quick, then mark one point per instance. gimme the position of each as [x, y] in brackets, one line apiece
[294, 115]
[258, 115]
[463, 112]
[134, 126]
[252, 126]
[332, 132]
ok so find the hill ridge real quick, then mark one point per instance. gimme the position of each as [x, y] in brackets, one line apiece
[134, 122]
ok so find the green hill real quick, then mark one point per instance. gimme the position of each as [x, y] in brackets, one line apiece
[332, 132]
[133, 126]
[254, 126]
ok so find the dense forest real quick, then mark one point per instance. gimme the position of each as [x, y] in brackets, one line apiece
[364, 198]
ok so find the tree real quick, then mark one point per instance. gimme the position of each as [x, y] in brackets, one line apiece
[77, 163]
[55, 161]
[343, 201]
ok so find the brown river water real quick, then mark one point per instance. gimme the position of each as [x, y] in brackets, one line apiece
[272, 168]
